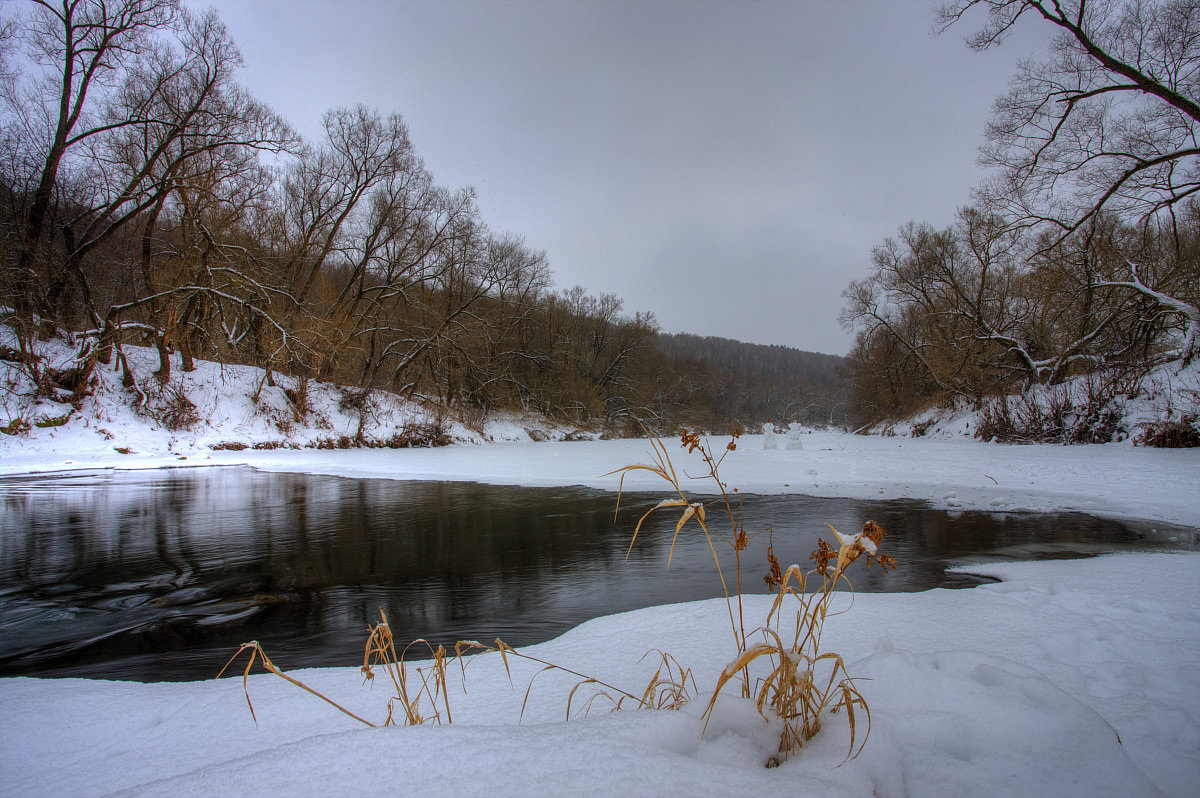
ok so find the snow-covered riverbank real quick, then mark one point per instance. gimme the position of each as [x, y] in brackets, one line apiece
[1117, 480]
[1069, 678]
[232, 406]
[1066, 678]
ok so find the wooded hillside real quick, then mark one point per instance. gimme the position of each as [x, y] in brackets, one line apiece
[754, 382]
[147, 198]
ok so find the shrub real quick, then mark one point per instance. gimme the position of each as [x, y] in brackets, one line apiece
[15, 426]
[7, 353]
[473, 417]
[299, 399]
[169, 405]
[420, 434]
[340, 442]
[53, 421]
[1050, 416]
[357, 400]
[921, 427]
[1173, 434]
[996, 422]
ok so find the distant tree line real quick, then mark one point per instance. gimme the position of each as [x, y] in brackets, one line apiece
[756, 382]
[147, 198]
[1082, 252]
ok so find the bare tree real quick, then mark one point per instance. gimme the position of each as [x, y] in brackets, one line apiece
[1107, 126]
[492, 353]
[130, 116]
[1108, 122]
[326, 189]
[81, 50]
[196, 150]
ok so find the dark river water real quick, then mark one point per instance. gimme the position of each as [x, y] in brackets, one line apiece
[159, 575]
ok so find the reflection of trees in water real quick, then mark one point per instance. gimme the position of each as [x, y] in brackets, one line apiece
[458, 534]
[246, 534]
[201, 560]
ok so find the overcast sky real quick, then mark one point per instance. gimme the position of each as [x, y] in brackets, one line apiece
[727, 166]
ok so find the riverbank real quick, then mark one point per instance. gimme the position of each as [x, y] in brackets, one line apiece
[1068, 678]
[1111, 480]
[129, 410]
[227, 414]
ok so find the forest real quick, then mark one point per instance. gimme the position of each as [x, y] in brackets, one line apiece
[1080, 255]
[146, 198]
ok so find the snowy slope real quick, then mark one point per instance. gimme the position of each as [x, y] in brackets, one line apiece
[228, 405]
[1098, 404]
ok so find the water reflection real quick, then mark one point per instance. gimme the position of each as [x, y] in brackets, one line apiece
[160, 574]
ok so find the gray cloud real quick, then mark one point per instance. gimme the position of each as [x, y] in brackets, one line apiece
[725, 165]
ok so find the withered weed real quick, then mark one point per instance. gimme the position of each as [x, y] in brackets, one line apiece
[802, 682]
[799, 685]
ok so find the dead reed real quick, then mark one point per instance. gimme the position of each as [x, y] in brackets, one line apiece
[421, 691]
[803, 683]
[800, 684]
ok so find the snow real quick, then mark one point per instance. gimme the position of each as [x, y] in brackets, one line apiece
[1168, 393]
[1065, 678]
[1112, 480]
[1068, 678]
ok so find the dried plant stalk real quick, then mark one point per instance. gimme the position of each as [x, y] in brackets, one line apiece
[802, 684]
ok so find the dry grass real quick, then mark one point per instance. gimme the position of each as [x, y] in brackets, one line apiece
[170, 406]
[15, 426]
[803, 683]
[421, 692]
[1183, 433]
[256, 654]
[420, 700]
[736, 540]
[52, 421]
[800, 685]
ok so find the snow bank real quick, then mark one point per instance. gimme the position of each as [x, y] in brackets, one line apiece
[1113, 480]
[1100, 403]
[1078, 678]
[229, 405]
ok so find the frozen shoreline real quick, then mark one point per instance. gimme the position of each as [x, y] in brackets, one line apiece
[1112, 480]
[949, 470]
[1066, 678]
